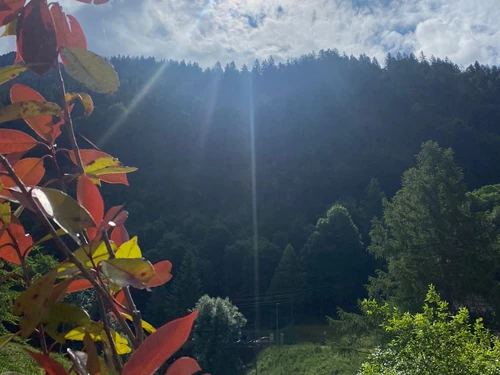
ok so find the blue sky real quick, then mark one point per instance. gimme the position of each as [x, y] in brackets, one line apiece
[207, 31]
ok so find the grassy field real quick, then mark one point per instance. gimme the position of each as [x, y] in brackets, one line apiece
[306, 359]
[14, 358]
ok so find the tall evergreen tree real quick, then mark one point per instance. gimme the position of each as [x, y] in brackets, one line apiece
[336, 263]
[429, 234]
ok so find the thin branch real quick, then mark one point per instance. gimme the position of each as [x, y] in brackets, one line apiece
[67, 119]
[116, 359]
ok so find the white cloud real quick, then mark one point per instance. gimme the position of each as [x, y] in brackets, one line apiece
[243, 30]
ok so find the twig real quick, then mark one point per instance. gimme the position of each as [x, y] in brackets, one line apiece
[112, 345]
[68, 121]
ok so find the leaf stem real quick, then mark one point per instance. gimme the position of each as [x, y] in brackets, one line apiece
[68, 121]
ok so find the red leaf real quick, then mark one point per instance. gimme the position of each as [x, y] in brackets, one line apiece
[89, 197]
[79, 285]
[9, 9]
[183, 366]
[36, 36]
[119, 235]
[42, 125]
[51, 366]
[89, 155]
[29, 170]
[120, 298]
[12, 237]
[160, 346]
[162, 275]
[68, 34]
[12, 141]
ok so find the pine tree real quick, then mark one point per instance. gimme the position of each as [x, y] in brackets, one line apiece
[287, 284]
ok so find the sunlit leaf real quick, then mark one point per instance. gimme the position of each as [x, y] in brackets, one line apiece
[97, 333]
[129, 249]
[97, 251]
[90, 198]
[41, 125]
[64, 210]
[183, 366]
[15, 141]
[29, 170]
[10, 28]
[91, 70]
[93, 364]
[5, 339]
[128, 272]
[36, 37]
[63, 314]
[79, 285]
[145, 325]
[85, 99]
[10, 72]
[31, 303]
[9, 9]
[162, 275]
[26, 109]
[160, 346]
[89, 155]
[5, 213]
[12, 237]
[119, 235]
[51, 366]
[106, 166]
[69, 33]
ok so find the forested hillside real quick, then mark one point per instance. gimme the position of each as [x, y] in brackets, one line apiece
[333, 136]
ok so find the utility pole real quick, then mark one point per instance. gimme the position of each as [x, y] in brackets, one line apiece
[277, 323]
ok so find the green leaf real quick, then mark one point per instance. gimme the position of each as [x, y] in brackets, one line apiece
[104, 166]
[48, 237]
[5, 339]
[128, 272]
[92, 70]
[27, 109]
[98, 252]
[67, 315]
[64, 210]
[5, 213]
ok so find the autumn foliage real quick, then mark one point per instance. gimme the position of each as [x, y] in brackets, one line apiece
[102, 256]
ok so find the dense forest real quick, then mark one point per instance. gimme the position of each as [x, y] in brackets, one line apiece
[372, 179]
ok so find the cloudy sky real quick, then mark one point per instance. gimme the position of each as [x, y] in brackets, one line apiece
[207, 31]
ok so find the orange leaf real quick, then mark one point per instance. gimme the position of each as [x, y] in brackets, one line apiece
[120, 298]
[9, 9]
[42, 125]
[67, 34]
[36, 36]
[79, 285]
[89, 197]
[119, 235]
[15, 141]
[162, 274]
[13, 237]
[183, 366]
[29, 170]
[51, 366]
[160, 346]
[89, 155]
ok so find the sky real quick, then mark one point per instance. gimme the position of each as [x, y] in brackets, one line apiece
[207, 31]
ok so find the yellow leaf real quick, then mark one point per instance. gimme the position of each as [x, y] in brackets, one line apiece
[128, 272]
[106, 166]
[5, 339]
[10, 72]
[30, 108]
[66, 315]
[32, 303]
[98, 252]
[5, 213]
[64, 210]
[92, 70]
[85, 99]
[10, 28]
[145, 325]
[129, 249]
[97, 333]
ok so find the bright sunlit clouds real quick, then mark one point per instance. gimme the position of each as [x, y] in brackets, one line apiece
[207, 31]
